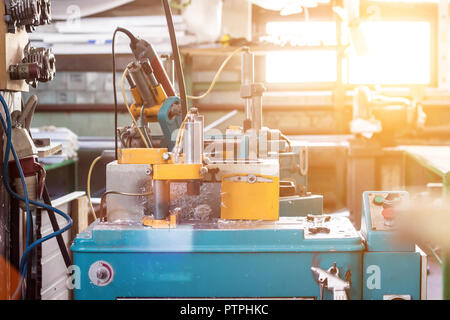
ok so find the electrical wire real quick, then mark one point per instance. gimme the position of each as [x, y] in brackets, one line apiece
[129, 110]
[219, 71]
[102, 201]
[115, 92]
[88, 187]
[133, 40]
[8, 132]
[10, 148]
[288, 141]
[149, 141]
[180, 135]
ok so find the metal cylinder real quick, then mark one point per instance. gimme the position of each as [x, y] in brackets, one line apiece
[161, 189]
[142, 83]
[248, 68]
[247, 78]
[193, 140]
[257, 113]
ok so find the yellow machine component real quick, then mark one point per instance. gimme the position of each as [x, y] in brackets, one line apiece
[171, 222]
[177, 171]
[150, 113]
[137, 97]
[142, 156]
[250, 197]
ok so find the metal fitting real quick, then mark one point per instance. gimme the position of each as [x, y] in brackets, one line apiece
[203, 171]
[166, 156]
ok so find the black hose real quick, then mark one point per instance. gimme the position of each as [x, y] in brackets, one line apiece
[177, 58]
[133, 41]
[115, 93]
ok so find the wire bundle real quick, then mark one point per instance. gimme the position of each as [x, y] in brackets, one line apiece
[7, 126]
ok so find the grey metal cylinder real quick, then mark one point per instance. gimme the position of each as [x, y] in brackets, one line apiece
[161, 189]
[247, 78]
[142, 83]
[257, 119]
[248, 68]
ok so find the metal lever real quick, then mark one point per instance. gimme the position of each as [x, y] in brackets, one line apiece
[331, 281]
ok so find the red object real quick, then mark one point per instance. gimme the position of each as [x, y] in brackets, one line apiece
[388, 213]
[30, 167]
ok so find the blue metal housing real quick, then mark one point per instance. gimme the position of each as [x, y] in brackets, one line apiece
[246, 259]
[193, 262]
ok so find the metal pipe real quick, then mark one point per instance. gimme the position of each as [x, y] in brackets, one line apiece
[162, 199]
[257, 113]
[220, 120]
[142, 83]
[248, 78]
[193, 139]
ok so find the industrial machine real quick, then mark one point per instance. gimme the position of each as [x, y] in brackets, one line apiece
[229, 216]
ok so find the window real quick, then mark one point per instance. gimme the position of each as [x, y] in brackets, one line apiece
[399, 52]
[297, 66]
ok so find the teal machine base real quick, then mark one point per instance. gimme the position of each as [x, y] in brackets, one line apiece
[226, 260]
[242, 259]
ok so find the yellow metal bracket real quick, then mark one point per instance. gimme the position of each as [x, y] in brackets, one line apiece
[171, 222]
[142, 156]
[177, 171]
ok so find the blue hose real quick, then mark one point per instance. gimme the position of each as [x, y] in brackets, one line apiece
[9, 148]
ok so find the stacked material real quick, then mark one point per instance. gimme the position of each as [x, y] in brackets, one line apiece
[63, 136]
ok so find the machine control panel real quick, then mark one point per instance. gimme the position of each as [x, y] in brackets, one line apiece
[384, 208]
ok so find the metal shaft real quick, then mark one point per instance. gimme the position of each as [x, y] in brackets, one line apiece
[257, 113]
[161, 190]
[247, 78]
[193, 139]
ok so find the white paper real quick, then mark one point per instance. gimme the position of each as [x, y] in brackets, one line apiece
[70, 9]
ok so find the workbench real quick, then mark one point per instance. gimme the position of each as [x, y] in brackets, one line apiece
[434, 160]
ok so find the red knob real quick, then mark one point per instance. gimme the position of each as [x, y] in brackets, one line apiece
[388, 213]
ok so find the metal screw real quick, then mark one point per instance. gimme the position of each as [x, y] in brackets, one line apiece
[203, 171]
[251, 178]
[166, 156]
[148, 171]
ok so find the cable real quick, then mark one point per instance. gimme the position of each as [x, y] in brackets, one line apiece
[133, 40]
[129, 110]
[8, 132]
[115, 93]
[10, 148]
[149, 141]
[216, 77]
[288, 141]
[102, 201]
[88, 187]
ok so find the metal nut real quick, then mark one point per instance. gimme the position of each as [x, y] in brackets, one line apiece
[203, 171]
[251, 178]
[166, 156]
